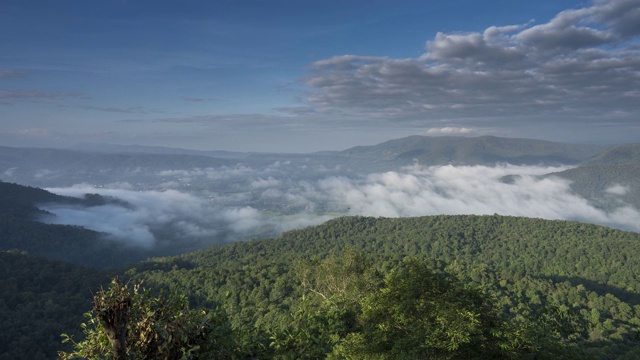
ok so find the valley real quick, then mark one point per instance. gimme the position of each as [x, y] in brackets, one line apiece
[535, 225]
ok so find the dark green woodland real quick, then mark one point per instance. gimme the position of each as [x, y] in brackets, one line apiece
[435, 287]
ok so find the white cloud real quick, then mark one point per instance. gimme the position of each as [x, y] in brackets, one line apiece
[421, 191]
[10, 172]
[120, 223]
[243, 220]
[247, 204]
[577, 68]
[447, 131]
[265, 183]
[132, 224]
[617, 189]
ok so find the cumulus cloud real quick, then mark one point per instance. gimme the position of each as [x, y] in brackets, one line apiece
[579, 67]
[567, 30]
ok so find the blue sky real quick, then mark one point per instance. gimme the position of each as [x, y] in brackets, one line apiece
[300, 76]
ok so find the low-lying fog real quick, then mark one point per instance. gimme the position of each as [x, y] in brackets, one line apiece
[225, 204]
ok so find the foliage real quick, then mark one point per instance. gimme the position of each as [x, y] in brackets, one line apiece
[419, 313]
[559, 289]
[39, 299]
[127, 324]
[526, 265]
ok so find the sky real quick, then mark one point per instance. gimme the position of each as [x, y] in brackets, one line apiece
[303, 76]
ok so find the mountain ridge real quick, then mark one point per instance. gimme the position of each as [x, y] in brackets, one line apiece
[481, 150]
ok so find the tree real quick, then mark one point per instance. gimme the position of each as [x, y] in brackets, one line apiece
[422, 314]
[329, 309]
[133, 324]
[347, 276]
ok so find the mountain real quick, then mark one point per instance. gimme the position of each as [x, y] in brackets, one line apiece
[110, 162]
[484, 150]
[607, 186]
[606, 176]
[54, 167]
[609, 180]
[288, 184]
[530, 268]
[618, 155]
[157, 150]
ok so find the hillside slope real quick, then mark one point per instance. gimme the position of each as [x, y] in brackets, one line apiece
[21, 229]
[582, 268]
[484, 150]
[40, 299]
[621, 154]
[609, 180]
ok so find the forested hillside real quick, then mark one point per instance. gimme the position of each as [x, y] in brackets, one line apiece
[483, 150]
[610, 179]
[621, 154]
[606, 186]
[40, 299]
[21, 228]
[588, 273]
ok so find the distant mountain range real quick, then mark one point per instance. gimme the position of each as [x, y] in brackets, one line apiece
[484, 150]
[156, 150]
[428, 151]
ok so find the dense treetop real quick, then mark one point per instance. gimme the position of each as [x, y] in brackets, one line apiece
[585, 270]
[40, 299]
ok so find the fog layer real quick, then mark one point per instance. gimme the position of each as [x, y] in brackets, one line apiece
[228, 204]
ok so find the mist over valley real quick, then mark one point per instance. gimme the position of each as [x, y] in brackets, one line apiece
[165, 201]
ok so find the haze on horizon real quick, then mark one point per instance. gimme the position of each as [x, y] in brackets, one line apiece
[297, 76]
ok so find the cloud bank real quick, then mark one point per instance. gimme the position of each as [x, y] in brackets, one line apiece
[152, 218]
[240, 203]
[135, 224]
[579, 68]
[473, 190]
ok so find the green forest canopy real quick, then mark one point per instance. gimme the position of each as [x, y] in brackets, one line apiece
[586, 270]
[301, 293]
